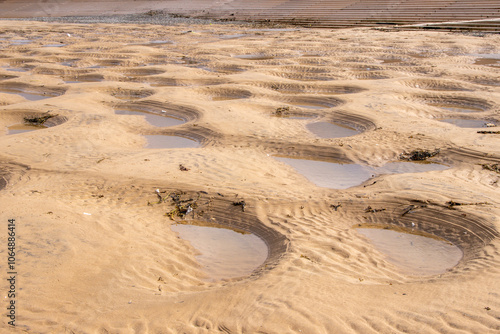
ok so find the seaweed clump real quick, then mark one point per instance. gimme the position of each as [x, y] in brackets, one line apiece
[181, 207]
[281, 111]
[240, 203]
[418, 155]
[492, 167]
[37, 120]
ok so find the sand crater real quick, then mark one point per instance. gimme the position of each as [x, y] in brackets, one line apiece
[31, 92]
[438, 85]
[290, 88]
[460, 104]
[468, 232]
[160, 108]
[130, 94]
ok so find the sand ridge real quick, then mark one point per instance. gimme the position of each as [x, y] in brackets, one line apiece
[96, 248]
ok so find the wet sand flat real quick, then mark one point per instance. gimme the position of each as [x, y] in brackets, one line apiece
[94, 206]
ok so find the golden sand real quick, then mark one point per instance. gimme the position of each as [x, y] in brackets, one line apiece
[95, 251]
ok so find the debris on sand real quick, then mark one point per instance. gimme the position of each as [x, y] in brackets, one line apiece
[408, 210]
[335, 207]
[160, 199]
[281, 111]
[452, 204]
[418, 155]
[37, 120]
[491, 167]
[182, 168]
[489, 132]
[240, 203]
[181, 210]
[369, 209]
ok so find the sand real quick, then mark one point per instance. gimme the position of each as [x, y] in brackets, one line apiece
[95, 252]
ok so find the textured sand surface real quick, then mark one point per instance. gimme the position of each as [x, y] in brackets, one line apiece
[95, 251]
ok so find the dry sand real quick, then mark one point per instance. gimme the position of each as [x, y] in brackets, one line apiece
[96, 254]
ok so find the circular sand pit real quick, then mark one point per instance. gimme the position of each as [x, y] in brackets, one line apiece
[342, 124]
[165, 82]
[130, 94]
[457, 104]
[20, 121]
[225, 94]
[311, 102]
[185, 113]
[30, 92]
[290, 88]
[224, 253]
[262, 245]
[141, 72]
[341, 175]
[414, 252]
[451, 229]
[438, 85]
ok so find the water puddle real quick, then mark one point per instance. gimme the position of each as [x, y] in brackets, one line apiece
[17, 69]
[224, 253]
[54, 45]
[160, 42]
[414, 252]
[488, 60]
[466, 123]
[456, 107]
[85, 78]
[21, 128]
[254, 57]
[68, 63]
[309, 105]
[154, 119]
[331, 130]
[336, 175]
[27, 96]
[232, 36]
[7, 77]
[21, 41]
[162, 141]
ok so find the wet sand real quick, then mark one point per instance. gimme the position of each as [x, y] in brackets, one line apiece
[96, 251]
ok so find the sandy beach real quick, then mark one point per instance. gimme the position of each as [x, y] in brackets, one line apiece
[94, 197]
